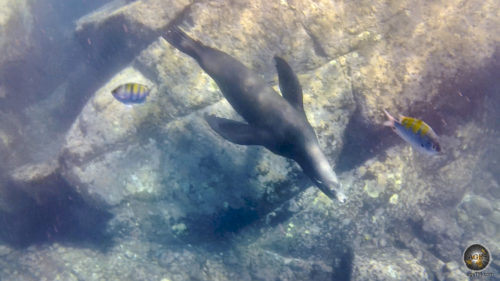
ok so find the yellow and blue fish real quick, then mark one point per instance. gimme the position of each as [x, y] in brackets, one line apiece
[131, 93]
[416, 132]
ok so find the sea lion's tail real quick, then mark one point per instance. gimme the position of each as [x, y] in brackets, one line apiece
[180, 40]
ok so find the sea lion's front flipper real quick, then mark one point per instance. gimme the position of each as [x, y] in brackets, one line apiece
[236, 132]
[289, 84]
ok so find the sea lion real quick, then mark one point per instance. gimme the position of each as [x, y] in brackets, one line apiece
[276, 122]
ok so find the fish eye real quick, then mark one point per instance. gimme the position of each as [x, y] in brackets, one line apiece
[422, 145]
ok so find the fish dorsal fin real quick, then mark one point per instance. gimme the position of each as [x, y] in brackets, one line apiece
[289, 84]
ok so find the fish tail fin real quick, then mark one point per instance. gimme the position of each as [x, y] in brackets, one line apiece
[181, 41]
[390, 119]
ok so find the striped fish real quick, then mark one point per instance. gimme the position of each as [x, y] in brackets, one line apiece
[416, 132]
[131, 93]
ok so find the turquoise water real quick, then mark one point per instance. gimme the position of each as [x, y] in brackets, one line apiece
[93, 189]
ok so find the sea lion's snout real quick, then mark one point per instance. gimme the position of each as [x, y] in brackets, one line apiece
[341, 197]
[322, 174]
[332, 190]
[335, 191]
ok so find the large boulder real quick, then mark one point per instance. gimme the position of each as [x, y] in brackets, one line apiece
[420, 50]
[103, 135]
[28, 185]
[38, 181]
[12, 143]
[16, 24]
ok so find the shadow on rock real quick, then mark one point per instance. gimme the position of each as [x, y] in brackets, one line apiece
[219, 227]
[226, 193]
[344, 266]
[461, 98]
[215, 230]
[61, 217]
[362, 141]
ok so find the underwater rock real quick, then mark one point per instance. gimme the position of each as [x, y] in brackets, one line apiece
[387, 264]
[16, 23]
[38, 181]
[118, 31]
[302, 239]
[105, 122]
[267, 265]
[30, 184]
[11, 141]
[141, 15]
[63, 262]
[341, 28]
[35, 173]
[477, 206]
[4, 250]
[426, 205]
[254, 32]
[17, 77]
[108, 132]
[112, 176]
[415, 51]
[103, 135]
[11, 199]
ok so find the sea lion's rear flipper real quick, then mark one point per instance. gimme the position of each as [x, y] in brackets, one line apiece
[289, 84]
[236, 132]
[180, 40]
